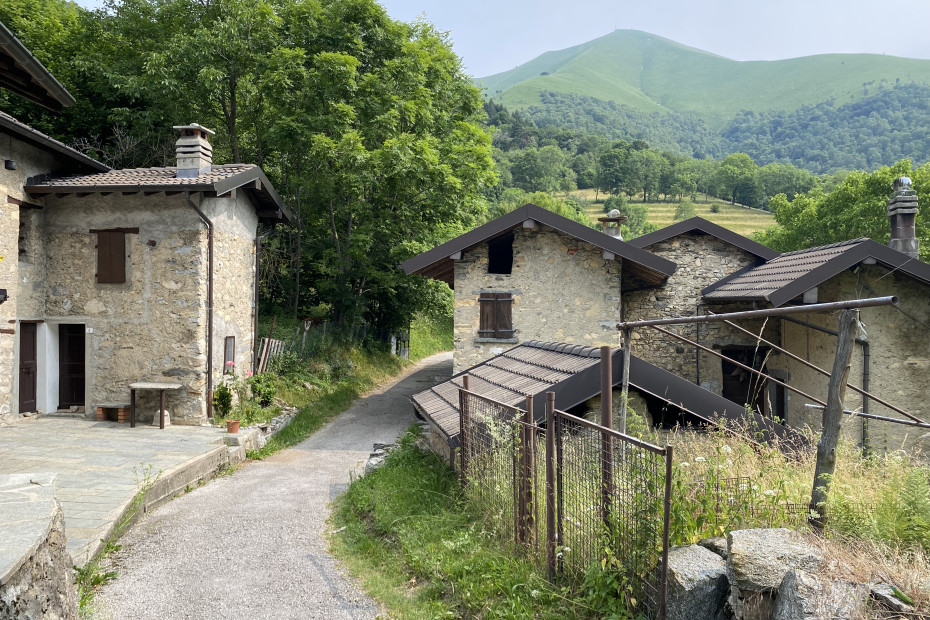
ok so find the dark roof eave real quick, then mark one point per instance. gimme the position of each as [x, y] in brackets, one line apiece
[661, 267]
[715, 230]
[40, 140]
[56, 96]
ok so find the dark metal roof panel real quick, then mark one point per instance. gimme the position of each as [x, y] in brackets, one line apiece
[436, 263]
[715, 230]
[23, 74]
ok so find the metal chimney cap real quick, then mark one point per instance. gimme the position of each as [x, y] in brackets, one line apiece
[196, 126]
[902, 184]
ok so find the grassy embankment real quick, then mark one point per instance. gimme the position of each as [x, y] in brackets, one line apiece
[324, 383]
[406, 532]
[739, 219]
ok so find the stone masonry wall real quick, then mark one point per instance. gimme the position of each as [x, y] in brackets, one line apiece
[899, 340]
[558, 297]
[234, 227]
[30, 162]
[702, 260]
[153, 327]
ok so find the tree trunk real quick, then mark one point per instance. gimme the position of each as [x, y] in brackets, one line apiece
[833, 416]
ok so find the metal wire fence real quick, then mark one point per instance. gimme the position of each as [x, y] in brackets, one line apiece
[571, 494]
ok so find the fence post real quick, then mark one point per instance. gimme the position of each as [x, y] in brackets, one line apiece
[666, 518]
[607, 453]
[464, 422]
[551, 541]
[625, 378]
[525, 494]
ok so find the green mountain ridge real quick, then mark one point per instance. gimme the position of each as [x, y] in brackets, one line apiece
[654, 74]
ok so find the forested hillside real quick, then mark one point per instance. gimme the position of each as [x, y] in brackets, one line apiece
[823, 113]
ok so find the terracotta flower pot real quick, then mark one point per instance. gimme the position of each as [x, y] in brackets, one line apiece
[232, 426]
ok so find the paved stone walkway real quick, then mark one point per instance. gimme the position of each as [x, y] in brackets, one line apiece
[252, 545]
[99, 466]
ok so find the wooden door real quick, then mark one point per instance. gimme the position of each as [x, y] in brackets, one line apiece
[70, 366]
[28, 367]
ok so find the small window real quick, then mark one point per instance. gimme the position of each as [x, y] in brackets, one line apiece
[496, 320]
[111, 257]
[500, 254]
[229, 355]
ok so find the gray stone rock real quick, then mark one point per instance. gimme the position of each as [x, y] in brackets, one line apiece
[717, 545]
[697, 584]
[885, 596]
[756, 566]
[803, 596]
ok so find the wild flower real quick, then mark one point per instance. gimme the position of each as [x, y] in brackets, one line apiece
[769, 493]
[726, 449]
[685, 464]
[699, 459]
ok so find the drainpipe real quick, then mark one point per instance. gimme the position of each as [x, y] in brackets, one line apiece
[206, 220]
[258, 249]
[697, 351]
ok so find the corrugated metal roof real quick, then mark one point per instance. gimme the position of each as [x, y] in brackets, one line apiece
[528, 369]
[792, 274]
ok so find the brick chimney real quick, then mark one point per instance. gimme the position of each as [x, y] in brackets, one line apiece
[902, 209]
[195, 155]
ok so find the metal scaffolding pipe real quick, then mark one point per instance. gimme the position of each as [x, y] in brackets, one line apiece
[752, 314]
[872, 416]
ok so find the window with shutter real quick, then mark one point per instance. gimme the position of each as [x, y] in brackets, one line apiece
[111, 257]
[495, 316]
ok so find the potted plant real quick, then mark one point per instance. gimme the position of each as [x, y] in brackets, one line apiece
[222, 406]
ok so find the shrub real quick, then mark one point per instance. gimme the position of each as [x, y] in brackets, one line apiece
[222, 400]
[715, 208]
[262, 388]
[287, 364]
[684, 210]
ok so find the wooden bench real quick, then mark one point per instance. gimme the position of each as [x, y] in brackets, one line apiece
[113, 412]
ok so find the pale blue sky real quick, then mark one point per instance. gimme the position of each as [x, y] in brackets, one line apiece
[494, 36]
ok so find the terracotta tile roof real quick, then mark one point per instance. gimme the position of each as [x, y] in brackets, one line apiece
[219, 180]
[792, 274]
[142, 178]
[21, 130]
[531, 368]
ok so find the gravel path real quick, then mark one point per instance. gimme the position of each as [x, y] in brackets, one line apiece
[251, 545]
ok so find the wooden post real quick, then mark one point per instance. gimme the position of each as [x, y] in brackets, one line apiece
[464, 421]
[625, 377]
[525, 458]
[551, 540]
[832, 416]
[607, 421]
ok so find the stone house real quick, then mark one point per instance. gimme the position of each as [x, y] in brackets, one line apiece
[573, 285]
[118, 276]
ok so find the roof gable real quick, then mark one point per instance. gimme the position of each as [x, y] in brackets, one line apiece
[699, 224]
[438, 263]
[23, 74]
[792, 274]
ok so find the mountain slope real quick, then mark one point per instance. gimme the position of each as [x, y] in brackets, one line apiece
[652, 73]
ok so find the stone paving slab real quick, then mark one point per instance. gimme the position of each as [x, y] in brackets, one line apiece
[99, 466]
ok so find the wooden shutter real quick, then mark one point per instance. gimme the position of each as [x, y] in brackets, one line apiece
[111, 257]
[495, 316]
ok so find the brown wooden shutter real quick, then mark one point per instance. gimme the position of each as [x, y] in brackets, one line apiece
[495, 317]
[111, 257]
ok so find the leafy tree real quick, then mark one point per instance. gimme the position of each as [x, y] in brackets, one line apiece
[856, 208]
[736, 178]
[684, 211]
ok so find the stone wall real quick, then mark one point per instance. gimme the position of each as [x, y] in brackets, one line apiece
[234, 227]
[899, 343]
[36, 577]
[558, 296]
[702, 260]
[30, 161]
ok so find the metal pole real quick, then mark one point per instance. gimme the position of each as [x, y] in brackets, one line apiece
[666, 518]
[551, 540]
[865, 378]
[752, 314]
[625, 377]
[740, 365]
[464, 423]
[872, 416]
[607, 461]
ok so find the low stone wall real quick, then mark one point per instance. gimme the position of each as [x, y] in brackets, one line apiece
[36, 577]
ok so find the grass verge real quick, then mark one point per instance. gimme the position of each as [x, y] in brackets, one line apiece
[405, 533]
